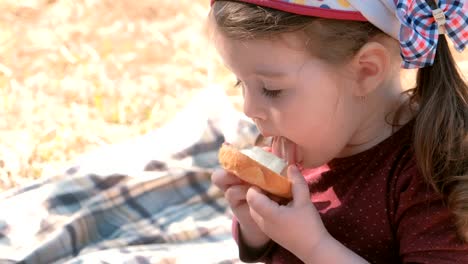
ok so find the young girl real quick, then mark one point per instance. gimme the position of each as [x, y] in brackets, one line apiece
[379, 175]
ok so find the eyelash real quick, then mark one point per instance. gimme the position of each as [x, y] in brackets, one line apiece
[265, 92]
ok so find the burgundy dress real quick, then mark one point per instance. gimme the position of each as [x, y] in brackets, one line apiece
[378, 205]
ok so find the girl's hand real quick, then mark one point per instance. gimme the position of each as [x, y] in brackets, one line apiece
[235, 191]
[296, 226]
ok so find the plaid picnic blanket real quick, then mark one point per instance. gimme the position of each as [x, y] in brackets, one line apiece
[148, 200]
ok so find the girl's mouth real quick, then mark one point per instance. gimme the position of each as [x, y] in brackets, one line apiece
[285, 149]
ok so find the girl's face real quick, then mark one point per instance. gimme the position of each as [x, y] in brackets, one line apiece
[291, 94]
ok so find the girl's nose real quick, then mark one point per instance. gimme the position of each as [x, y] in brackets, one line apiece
[252, 106]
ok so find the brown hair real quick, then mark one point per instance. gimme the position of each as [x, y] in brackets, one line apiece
[440, 95]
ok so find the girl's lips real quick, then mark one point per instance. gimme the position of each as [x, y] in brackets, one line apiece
[285, 149]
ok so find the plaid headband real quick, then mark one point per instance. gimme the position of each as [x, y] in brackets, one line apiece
[414, 23]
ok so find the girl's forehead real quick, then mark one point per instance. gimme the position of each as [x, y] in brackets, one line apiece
[266, 57]
[286, 43]
[266, 49]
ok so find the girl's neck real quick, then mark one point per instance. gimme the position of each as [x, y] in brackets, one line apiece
[386, 111]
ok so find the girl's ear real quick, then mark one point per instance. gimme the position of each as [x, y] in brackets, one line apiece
[371, 66]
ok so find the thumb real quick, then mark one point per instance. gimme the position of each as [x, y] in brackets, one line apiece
[261, 205]
[300, 188]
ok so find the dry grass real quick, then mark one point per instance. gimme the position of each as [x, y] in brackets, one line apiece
[77, 74]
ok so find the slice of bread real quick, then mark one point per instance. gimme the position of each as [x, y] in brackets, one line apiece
[254, 171]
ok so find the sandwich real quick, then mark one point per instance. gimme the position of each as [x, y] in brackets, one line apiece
[258, 167]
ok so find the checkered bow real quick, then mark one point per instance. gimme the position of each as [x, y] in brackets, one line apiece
[420, 31]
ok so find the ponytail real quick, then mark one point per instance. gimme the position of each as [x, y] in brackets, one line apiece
[441, 131]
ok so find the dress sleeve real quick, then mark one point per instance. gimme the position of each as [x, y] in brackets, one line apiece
[247, 254]
[424, 226]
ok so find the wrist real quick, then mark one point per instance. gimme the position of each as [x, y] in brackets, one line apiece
[310, 250]
[326, 243]
[330, 250]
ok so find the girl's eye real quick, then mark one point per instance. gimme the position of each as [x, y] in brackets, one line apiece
[271, 93]
[265, 92]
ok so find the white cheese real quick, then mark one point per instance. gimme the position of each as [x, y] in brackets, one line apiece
[266, 158]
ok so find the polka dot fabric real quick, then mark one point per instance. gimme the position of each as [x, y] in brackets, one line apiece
[331, 4]
[377, 204]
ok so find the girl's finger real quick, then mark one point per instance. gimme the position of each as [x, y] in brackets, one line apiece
[223, 179]
[300, 188]
[277, 199]
[260, 203]
[236, 194]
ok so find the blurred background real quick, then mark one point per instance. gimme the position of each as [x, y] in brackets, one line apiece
[79, 74]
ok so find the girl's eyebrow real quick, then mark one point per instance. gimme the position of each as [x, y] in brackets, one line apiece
[268, 73]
